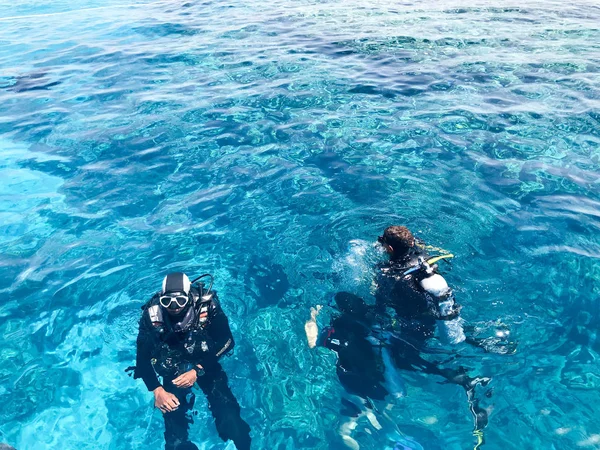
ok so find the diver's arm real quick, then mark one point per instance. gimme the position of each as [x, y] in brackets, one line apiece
[219, 329]
[443, 311]
[311, 328]
[381, 300]
[145, 344]
[501, 345]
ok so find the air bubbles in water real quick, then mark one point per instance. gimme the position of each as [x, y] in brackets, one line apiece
[356, 268]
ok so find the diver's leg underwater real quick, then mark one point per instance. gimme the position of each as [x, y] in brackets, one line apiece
[225, 408]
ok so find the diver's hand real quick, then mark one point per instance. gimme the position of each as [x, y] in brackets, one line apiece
[165, 401]
[311, 328]
[186, 380]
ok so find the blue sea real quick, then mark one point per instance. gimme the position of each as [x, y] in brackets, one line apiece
[270, 143]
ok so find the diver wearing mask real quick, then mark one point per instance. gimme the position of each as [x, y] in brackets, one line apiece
[422, 302]
[410, 284]
[182, 335]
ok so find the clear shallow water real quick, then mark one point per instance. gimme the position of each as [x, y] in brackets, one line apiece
[269, 143]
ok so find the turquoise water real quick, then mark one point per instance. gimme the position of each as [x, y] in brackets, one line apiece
[270, 143]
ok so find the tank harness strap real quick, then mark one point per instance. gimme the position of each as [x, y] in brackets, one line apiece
[204, 307]
[426, 263]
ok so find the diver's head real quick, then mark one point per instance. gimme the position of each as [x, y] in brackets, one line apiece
[397, 241]
[175, 294]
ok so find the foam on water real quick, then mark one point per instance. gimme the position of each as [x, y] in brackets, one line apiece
[355, 269]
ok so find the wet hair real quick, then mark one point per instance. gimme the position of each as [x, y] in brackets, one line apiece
[399, 238]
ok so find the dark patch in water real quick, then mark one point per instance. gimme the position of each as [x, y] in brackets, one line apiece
[267, 283]
[372, 90]
[35, 81]
[357, 182]
[166, 29]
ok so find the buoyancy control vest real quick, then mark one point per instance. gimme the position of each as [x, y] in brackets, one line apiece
[399, 286]
[184, 341]
[425, 294]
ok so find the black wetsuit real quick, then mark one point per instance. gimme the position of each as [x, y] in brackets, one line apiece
[359, 365]
[359, 334]
[204, 339]
[415, 309]
[416, 312]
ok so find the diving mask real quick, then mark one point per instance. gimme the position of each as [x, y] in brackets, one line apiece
[181, 300]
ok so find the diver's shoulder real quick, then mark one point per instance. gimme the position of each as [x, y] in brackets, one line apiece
[392, 267]
[150, 305]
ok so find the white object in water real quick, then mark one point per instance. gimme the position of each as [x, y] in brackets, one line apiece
[450, 331]
[436, 285]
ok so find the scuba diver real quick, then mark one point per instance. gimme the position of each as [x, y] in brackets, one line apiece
[182, 335]
[373, 342]
[363, 365]
[359, 367]
[371, 351]
[410, 284]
